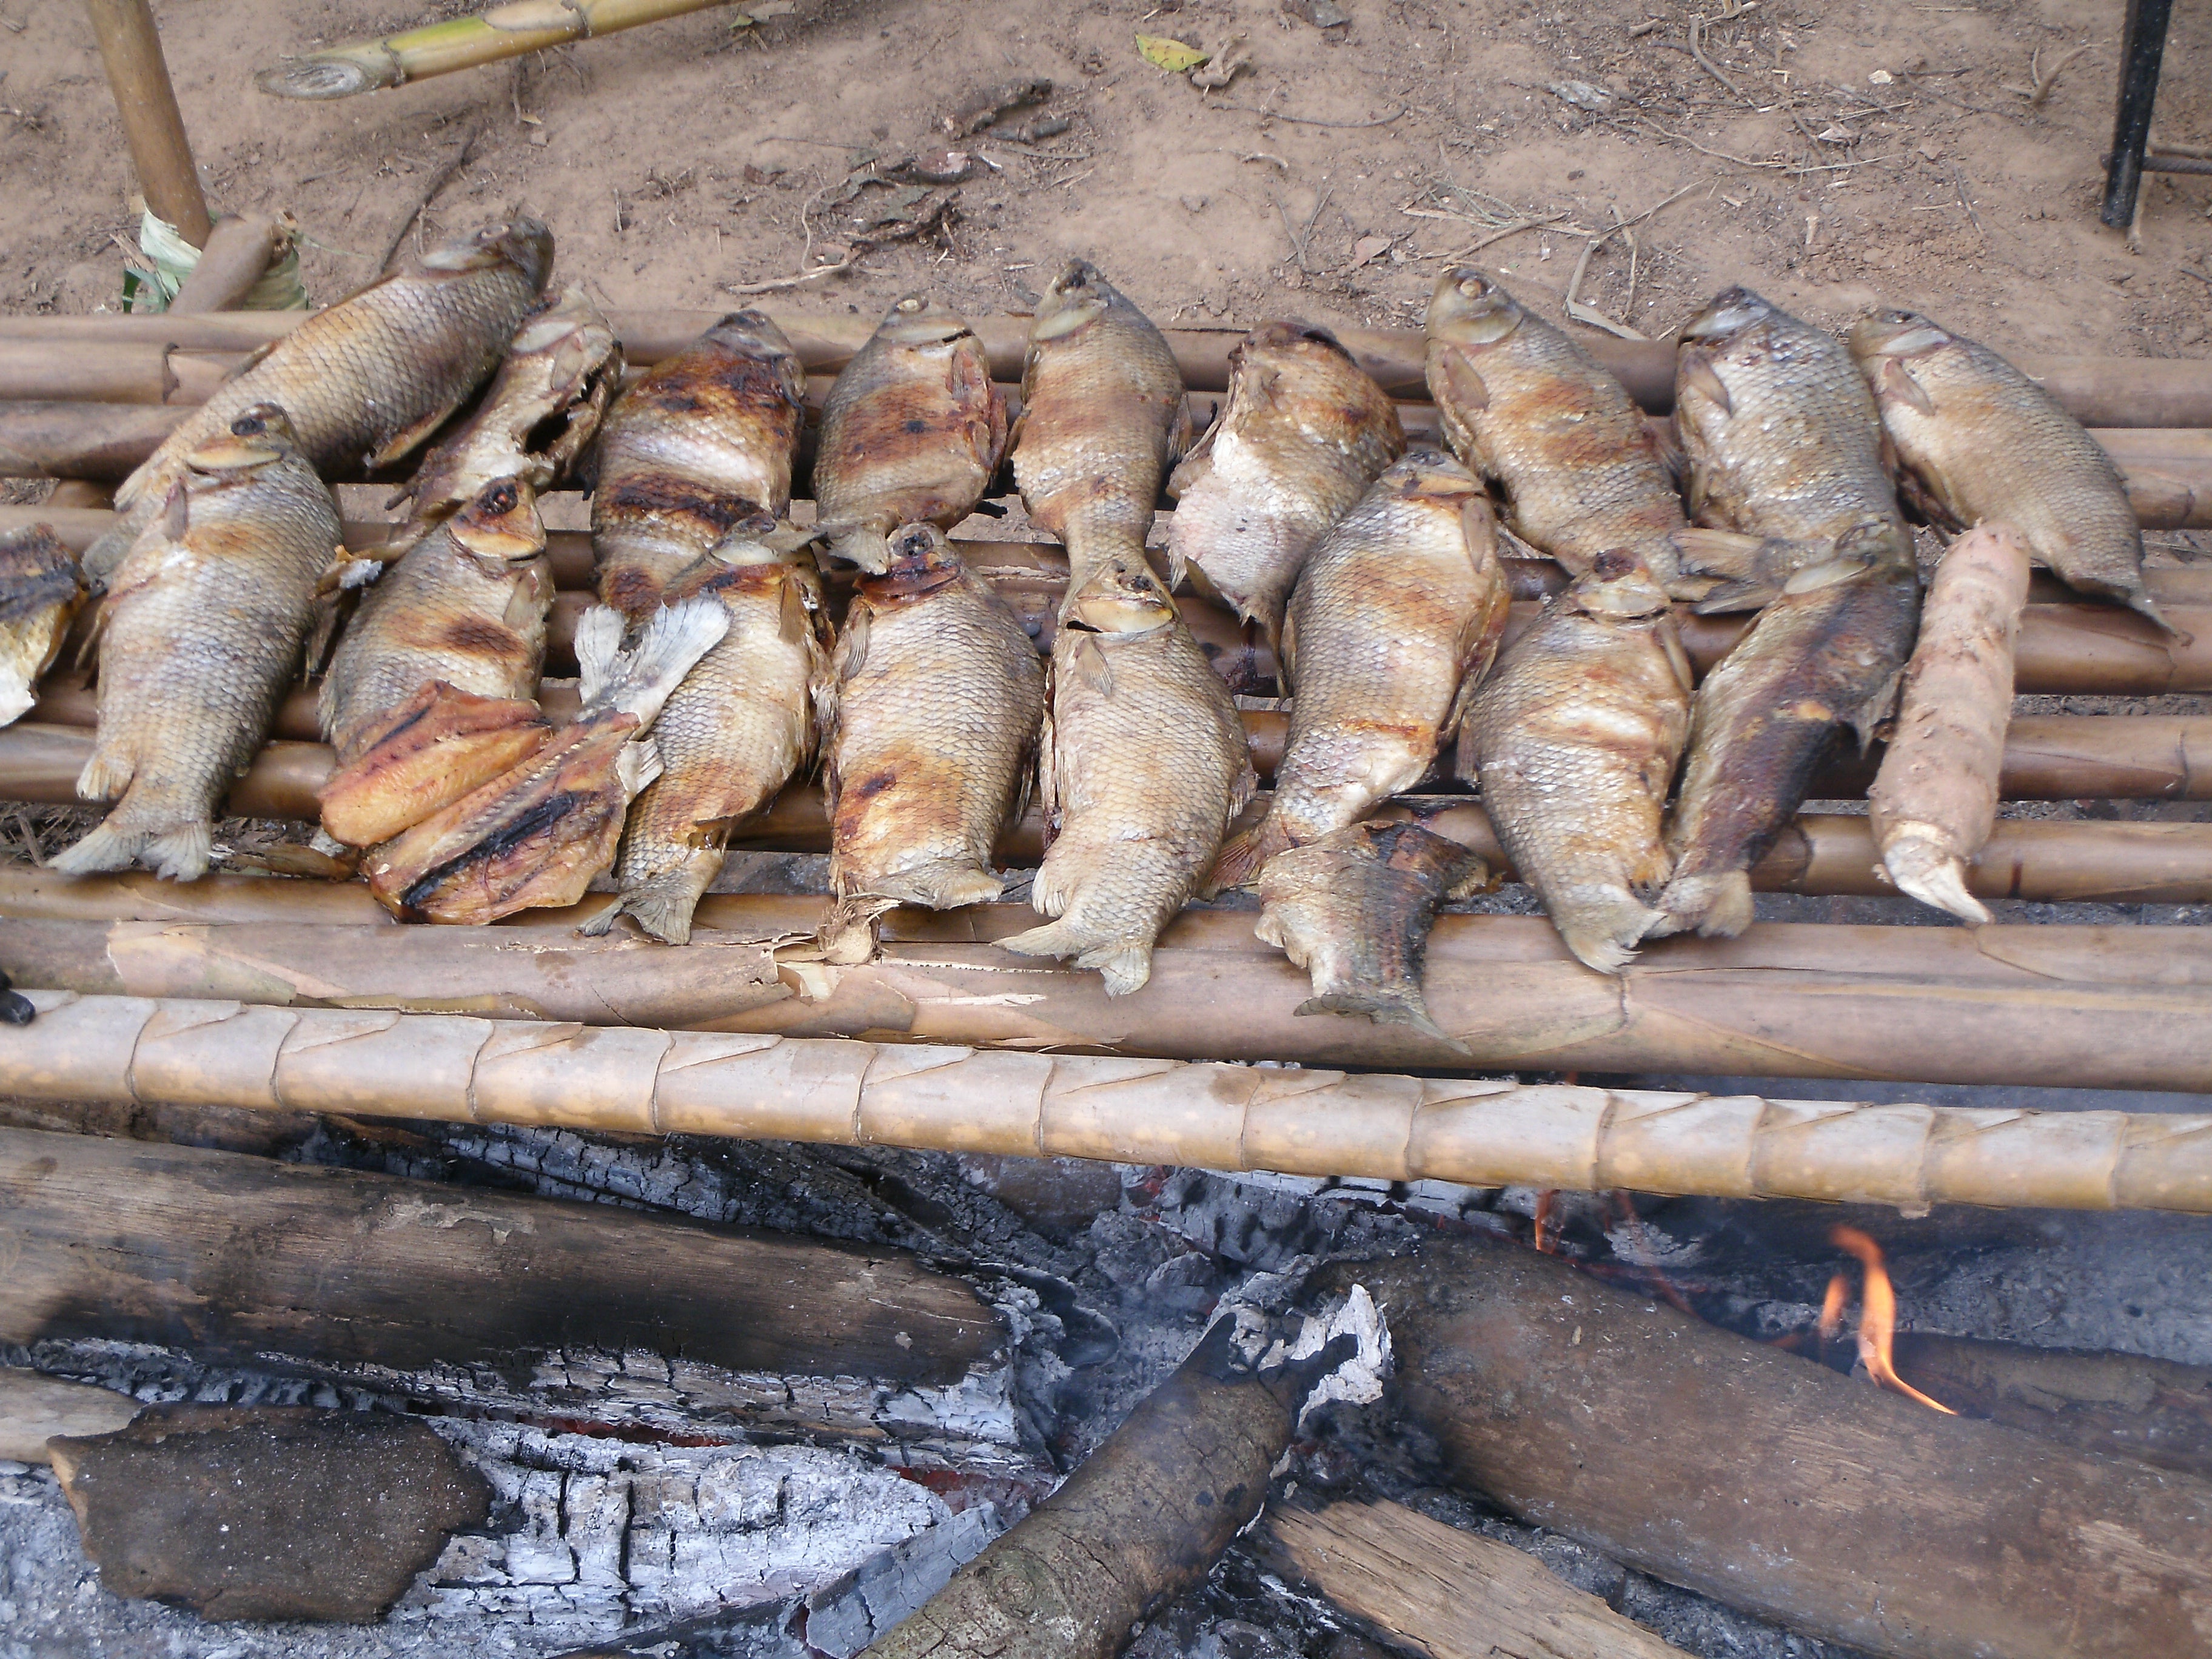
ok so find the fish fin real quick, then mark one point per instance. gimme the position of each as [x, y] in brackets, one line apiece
[1926, 502]
[1054, 939]
[1670, 643]
[1462, 381]
[106, 775]
[1717, 903]
[1244, 856]
[408, 439]
[1052, 889]
[1605, 928]
[637, 765]
[1723, 553]
[664, 916]
[1745, 593]
[1125, 966]
[1695, 372]
[2141, 603]
[1383, 1008]
[1286, 651]
[1179, 436]
[959, 886]
[1048, 775]
[252, 360]
[177, 512]
[1197, 461]
[1879, 704]
[1897, 383]
[106, 847]
[182, 854]
[675, 637]
[1923, 866]
[599, 926]
[599, 650]
[107, 549]
[1666, 447]
[1089, 664]
[794, 623]
[851, 655]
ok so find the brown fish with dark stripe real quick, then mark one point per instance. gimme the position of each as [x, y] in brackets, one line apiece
[39, 592]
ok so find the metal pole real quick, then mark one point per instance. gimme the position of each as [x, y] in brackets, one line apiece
[160, 151]
[2142, 44]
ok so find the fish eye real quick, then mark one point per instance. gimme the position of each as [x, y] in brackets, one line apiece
[502, 500]
[248, 426]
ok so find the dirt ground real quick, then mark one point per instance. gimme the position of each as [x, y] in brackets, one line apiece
[1856, 152]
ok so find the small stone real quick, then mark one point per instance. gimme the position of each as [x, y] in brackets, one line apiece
[1881, 77]
[1322, 13]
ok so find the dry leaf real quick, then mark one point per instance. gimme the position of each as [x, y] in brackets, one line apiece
[1369, 247]
[1228, 60]
[1173, 55]
[1583, 95]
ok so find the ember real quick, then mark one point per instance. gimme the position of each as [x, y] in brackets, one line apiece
[1877, 1316]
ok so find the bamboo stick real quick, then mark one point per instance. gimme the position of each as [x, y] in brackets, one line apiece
[101, 441]
[459, 1068]
[237, 256]
[503, 32]
[1842, 1511]
[160, 154]
[2066, 1006]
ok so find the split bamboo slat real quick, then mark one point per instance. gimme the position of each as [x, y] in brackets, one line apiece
[460, 1068]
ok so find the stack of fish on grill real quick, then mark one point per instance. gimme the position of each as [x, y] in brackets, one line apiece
[716, 668]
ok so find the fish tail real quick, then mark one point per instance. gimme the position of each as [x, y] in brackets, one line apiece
[1384, 1007]
[109, 846]
[16, 696]
[666, 915]
[98, 561]
[179, 851]
[1244, 856]
[2141, 602]
[1124, 963]
[1716, 904]
[1929, 872]
[182, 854]
[1604, 927]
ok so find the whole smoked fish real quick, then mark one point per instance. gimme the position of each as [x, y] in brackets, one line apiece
[1981, 440]
[1102, 420]
[201, 633]
[1354, 909]
[1143, 766]
[433, 690]
[703, 440]
[1576, 736]
[928, 733]
[735, 732]
[537, 833]
[40, 591]
[367, 379]
[1393, 621]
[912, 432]
[1304, 433]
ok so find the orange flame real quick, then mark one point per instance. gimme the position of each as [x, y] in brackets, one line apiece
[1831, 1307]
[1877, 1319]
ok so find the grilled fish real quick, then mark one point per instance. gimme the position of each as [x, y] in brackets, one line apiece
[928, 733]
[1982, 441]
[432, 689]
[1102, 420]
[39, 592]
[912, 430]
[200, 634]
[1143, 767]
[369, 379]
[1528, 409]
[1354, 909]
[705, 439]
[1783, 443]
[542, 408]
[1576, 735]
[735, 732]
[537, 833]
[1393, 621]
[1304, 433]
[1826, 654]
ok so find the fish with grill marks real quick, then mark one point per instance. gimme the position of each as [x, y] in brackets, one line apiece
[1304, 433]
[433, 690]
[40, 591]
[541, 409]
[1980, 441]
[1576, 736]
[1354, 910]
[1143, 766]
[201, 633]
[537, 833]
[702, 441]
[1393, 621]
[1784, 445]
[929, 734]
[1102, 420]
[912, 432]
[735, 732]
[367, 379]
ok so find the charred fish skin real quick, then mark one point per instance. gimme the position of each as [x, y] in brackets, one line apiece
[702, 441]
[1102, 420]
[40, 588]
[1143, 767]
[1354, 909]
[1529, 410]
[542, 408]
[1575, 737]
[1393, 621]
[1827, 654]
[1982, 441]
[201, 633]
[368, 378]
[938, 701]
[1302, 434]
[1783, 442]
[913, 431]
[740, 726]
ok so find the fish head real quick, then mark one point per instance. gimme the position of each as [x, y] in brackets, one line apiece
[1729, 313]
[1072, 300]
[1286, 335]
[917, 319]
[1469, 308]
[500, 525]
[1121, 597]
[1619, 585]
[1896, 333]
[751, 331]
[923, 560]
[522, 242]
[259, 435]
[762, 538]
[1422, 470]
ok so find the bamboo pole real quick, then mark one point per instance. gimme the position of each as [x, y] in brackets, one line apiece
[460, 1068]
[237, 255]
[507, 31]
[2065, 1007]
[161, 153]
[101, 441]
[1839, 1510]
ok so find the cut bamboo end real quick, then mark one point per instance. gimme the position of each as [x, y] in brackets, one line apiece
[466, 1069]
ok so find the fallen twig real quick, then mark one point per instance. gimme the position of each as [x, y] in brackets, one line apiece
[1311, 121]
[2043, 79]
[437, 182]
[905, 231]
[1697, 51]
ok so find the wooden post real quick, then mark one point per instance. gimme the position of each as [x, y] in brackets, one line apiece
[235, 258]
[160, 151]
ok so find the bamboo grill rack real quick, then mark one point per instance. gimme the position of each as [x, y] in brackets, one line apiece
[88, 396]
